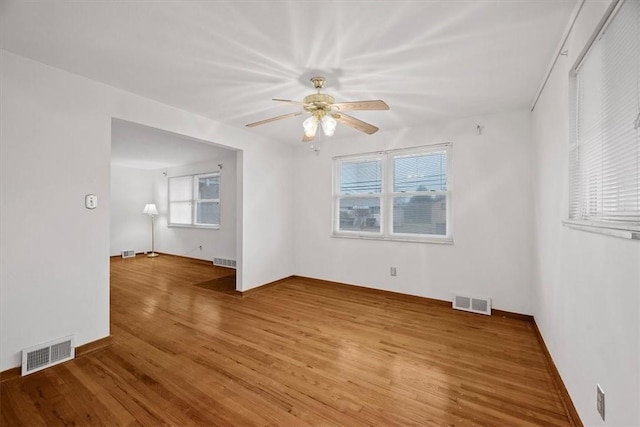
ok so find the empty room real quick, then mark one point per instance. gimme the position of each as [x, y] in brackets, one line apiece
[411, 212]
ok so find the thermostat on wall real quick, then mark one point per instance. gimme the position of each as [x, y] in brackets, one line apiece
[91, 201]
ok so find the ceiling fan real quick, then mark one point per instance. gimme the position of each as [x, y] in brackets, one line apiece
[325, 111]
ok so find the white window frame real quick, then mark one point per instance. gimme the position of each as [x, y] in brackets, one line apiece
[337, 196]
[194, 200]
[579, 217]
[387, 195]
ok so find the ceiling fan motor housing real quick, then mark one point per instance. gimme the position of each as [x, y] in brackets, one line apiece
[318, 104]
[318, 101]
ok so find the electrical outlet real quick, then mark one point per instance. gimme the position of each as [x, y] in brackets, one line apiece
[393, 271]
[600, 401]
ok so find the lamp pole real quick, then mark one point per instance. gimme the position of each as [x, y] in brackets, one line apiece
[151, 210]
[153, 254]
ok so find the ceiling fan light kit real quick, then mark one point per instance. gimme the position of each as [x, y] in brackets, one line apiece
[310, 126]
[328, 125]
[325, 111]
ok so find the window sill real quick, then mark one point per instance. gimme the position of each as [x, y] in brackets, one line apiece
[205, 227]
[440, 241]
[600, 228]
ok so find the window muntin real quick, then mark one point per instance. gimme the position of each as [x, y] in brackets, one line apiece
[194, 200]
[395, 195]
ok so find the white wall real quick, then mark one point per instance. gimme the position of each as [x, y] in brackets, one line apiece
[272, 212]
[131, 189]
[55, 148]
[587, 286]
[491, 207]
[186, 241]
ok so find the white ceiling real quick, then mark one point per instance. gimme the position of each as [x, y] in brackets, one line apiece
[143, 147]
[429, 60]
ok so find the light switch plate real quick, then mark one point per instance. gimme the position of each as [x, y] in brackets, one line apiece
[91, 201]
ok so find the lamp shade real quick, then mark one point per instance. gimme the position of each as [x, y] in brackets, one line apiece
[310, 126]
[150, 209]
[328, 125]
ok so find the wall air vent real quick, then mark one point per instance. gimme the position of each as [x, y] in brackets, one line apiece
[479, 305]
[48, 354]
[129, 253]
[223, 262]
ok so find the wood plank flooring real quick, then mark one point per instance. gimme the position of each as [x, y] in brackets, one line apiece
[301, 353]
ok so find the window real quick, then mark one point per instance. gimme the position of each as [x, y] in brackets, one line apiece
[360, 196]
[194, 200]
[394, 195]
[604, 153]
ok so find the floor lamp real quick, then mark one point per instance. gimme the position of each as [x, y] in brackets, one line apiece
[151, 210]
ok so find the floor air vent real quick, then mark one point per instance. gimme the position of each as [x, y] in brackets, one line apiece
[472, 304]
[48, 354]
[223, 262]
[129, 253]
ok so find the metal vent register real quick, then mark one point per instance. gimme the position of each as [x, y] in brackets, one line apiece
[129, 253]
[473, 304]
[223, 262]
[48, 354]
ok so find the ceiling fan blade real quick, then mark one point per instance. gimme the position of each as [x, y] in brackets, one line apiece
[306, 138]
[288, 101]
[273, 119]
[355, 123]
[360, 105]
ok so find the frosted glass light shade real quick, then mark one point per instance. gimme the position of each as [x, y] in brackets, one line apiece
[328, 125]
[310, 126]
[150, 209]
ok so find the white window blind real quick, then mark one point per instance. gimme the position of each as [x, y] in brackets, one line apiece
[180, 200]
[360, 195]
[395, 195]
[604, 157]
[207, 199]
[420, 194]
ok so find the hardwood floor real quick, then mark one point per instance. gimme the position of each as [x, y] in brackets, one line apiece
[303, 352]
